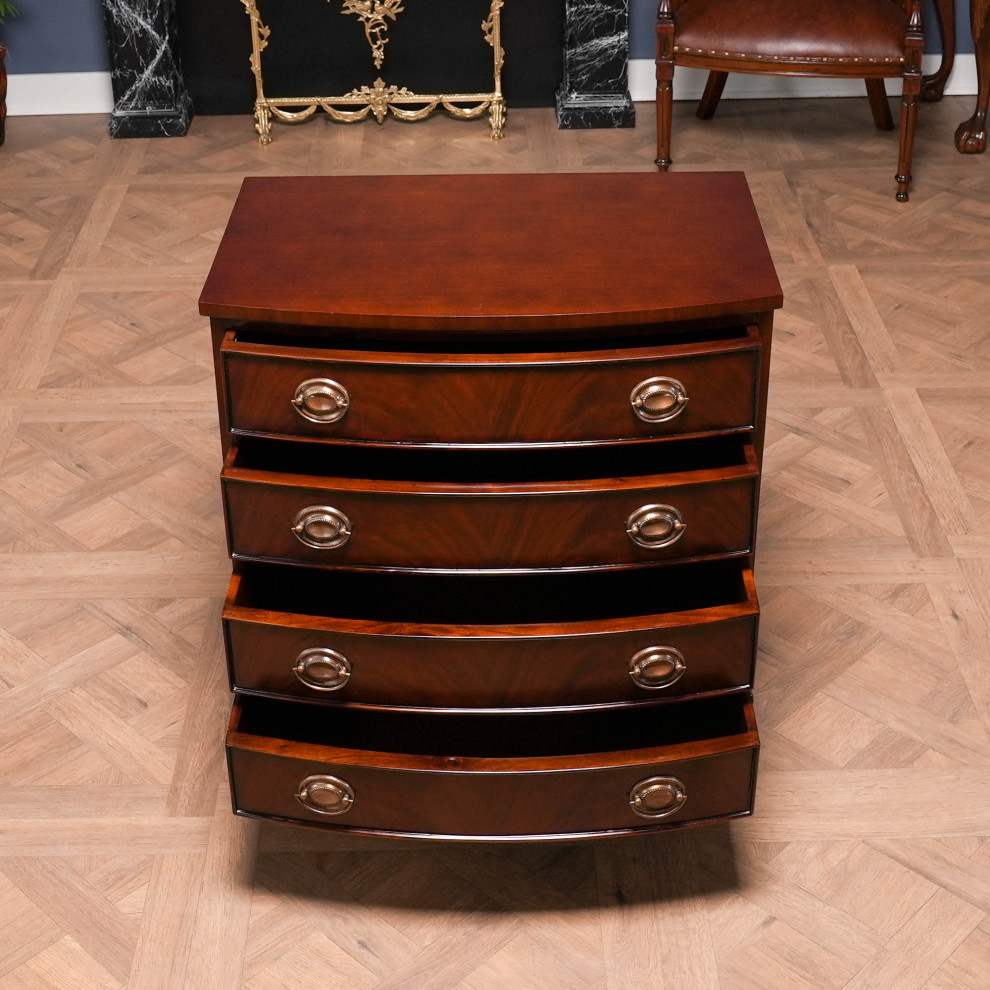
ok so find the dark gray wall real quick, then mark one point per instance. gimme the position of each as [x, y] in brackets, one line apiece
[67, 35]
[56, 36]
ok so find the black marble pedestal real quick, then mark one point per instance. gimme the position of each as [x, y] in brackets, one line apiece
[149, 93]
[595, 89]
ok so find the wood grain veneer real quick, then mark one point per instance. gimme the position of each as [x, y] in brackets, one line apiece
[495, 397]
[569, 523]
[485, 253]
[493, 663]
[415, 788]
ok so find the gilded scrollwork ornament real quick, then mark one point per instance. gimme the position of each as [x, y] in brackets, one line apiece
[380, 99]
[375, 15]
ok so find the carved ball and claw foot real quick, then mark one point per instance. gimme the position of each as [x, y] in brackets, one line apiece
[971, 135]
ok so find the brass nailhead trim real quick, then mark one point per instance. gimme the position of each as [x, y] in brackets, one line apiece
[789, 58]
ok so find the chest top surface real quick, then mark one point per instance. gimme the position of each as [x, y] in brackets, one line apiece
[487, 252]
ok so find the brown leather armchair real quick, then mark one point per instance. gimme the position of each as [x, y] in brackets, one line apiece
[868, 39]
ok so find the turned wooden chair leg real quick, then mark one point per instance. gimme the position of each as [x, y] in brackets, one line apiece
[665, 81]
[712, 94]
[909, 113]
[909, 100]
[665, 107]
[879, 105]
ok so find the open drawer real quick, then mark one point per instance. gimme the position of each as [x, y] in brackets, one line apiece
[536, 641]
[478, 511]
[494, 777]
[685, 384]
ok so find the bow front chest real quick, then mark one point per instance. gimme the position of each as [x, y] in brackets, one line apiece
[492, 467]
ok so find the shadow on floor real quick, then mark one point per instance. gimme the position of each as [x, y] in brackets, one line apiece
[498, 877]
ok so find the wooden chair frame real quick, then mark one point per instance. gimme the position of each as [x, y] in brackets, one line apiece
[719, 66]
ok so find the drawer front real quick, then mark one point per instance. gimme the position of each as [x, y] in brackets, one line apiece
[496, 529]
[498, 806]
[669, 784]
[464, 399]
[694, 654]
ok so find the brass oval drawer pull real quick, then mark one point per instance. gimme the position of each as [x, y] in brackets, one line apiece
[322, 669]
[657, 797]
[655, 400]
[325, 795]
[655, 526]
[657, 667]
[321, 400]
[322, 527]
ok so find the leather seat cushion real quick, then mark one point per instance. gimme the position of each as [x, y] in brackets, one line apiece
[822, 31]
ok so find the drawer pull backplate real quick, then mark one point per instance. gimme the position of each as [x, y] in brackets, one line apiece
[325, 795]
[322, 527]
[321, 400]
[657, 797]
[655, 526]
[657, 667]
[656, 400]
[322, 669]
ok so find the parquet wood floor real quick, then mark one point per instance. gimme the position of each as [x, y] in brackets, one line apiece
[867, 864]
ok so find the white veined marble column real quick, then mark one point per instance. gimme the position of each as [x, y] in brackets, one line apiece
[149, 93]
[595, 88]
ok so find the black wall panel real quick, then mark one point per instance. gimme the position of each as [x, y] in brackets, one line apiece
[314, 49]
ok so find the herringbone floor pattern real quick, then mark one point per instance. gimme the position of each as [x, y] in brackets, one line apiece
[867, 864]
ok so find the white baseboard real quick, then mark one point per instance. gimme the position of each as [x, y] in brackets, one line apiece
[690, 83]
[32, 94]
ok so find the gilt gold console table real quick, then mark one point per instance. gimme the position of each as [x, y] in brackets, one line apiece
[378, 99]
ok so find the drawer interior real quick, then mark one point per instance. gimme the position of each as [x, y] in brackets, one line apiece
[491, 599]
[570, 340]
[493, 736]
[519, 465]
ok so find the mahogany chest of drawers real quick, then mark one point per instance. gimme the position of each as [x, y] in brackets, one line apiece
[492, 461]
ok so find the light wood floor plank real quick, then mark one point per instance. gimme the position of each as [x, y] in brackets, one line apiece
[122, 574]
[834, 931]
[684, 950]
[934, 467]
[917, 515]
[103, 836]
[870, 803]
[197, 775]
[967, 631]
[959, 875]
[867, 323]
[93, 922]
[356, 929]
[223, 909]
[161, 958]
[921, 946]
